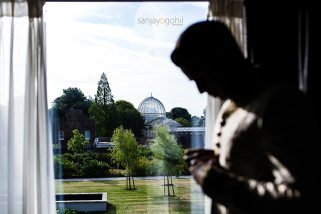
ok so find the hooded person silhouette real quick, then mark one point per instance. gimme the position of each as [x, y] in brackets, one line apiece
[265, 132]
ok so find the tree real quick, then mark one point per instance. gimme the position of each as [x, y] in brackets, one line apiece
[198, 121]
[130, 117]
[103, 95]
[179, 112]
[103, 109]
[168, 156]
[77, 144]
[127, 153]
[183, 122]
[106, 117]
[72, 98]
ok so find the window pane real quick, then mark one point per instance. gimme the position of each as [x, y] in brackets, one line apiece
[87, 135]
[114, 93]
[61, 135]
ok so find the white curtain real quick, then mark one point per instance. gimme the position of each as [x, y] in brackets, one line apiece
[230, 12]
[26, 166]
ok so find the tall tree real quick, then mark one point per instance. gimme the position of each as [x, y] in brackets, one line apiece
[103, 109]
[168, 156]
[130, 117]
[72, 98]
[179, 112]
[127, 153]
[104, 95]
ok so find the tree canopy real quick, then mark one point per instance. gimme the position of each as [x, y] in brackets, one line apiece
[106, 117]
[168, 155]
[104, 95]
[179, 112]
[126, 151]
[130, 117]
[103, 109]
[183, 122]
[72, 98]
[198, 121]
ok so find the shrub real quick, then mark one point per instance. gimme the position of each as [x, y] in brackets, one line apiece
[67, 211]
[106, 158]
[85, 164]
[142, 168]
[64, 168]
[69, 169]
[117, 173]
[92, 168]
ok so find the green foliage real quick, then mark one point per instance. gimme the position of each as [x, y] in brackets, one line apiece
[130, 117]
[104, 157]
[103, 95]
[182, 168]
[82, 165]
[69, 168]
[106, 117]
[168, 155]
[142, 167]
[183, 122]
[103, 109]
[92, 168]
[109, 115]
[146, 152]
[64, 168]
[77, 144]
[179, 112]
[72, 98]
[198, 121]
[67, 211]
[123, 104]
[126, 151]
[57, 166]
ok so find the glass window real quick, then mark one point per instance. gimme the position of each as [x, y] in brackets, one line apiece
[61, 135]
[87, 135]
[110, 62]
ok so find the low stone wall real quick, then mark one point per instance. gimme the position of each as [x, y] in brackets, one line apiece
[84, 202]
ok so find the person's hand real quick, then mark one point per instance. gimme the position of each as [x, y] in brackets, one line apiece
[192, 155]
[200, 161]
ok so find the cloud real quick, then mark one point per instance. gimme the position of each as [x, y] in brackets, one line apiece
[92, 38]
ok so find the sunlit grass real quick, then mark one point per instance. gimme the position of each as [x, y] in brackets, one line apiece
[148, 198]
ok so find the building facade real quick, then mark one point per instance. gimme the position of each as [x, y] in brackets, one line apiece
[73, 119]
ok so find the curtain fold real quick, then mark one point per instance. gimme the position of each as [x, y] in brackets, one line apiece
[230, 12]
[26, 166]
[227, 8]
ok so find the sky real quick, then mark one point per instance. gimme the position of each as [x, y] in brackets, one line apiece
[130, 42]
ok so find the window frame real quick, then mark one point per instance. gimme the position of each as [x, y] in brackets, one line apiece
[61, 135]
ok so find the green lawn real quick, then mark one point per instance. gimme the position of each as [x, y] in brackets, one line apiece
[148, 198]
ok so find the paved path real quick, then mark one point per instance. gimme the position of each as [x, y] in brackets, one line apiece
[118, 178]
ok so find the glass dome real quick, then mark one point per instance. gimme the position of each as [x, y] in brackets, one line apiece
[151, 108]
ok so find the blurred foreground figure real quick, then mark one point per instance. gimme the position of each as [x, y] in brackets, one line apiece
[265, 149]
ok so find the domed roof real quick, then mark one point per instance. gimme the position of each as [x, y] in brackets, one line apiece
[151, 108]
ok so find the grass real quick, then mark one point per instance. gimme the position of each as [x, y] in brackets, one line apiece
[148, 198]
